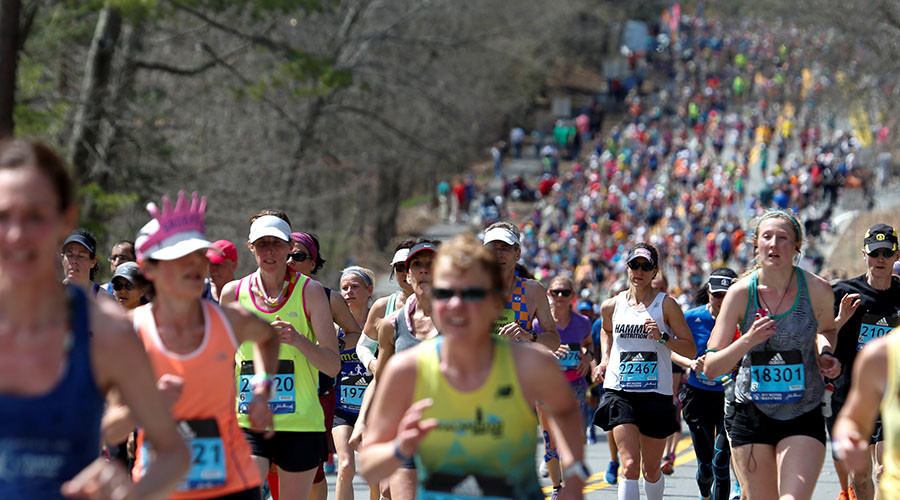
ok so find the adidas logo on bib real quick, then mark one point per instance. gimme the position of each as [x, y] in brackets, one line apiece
[777, 359]
[882, 322]
[468, 487]
[638, 357]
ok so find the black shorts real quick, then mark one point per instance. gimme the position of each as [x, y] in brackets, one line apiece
[877, 431]
[701, 408]
[652, 412]
[676, 368]
[251, 494]
[292, 451]
[751, 426]
[342, 417]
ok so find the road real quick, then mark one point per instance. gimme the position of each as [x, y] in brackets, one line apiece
[681, 484]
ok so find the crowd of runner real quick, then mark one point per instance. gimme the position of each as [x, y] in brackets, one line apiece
[180, 379]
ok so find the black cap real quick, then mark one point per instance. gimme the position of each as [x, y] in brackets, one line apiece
[880, 236]
[83, 241]
[721, 279]
[425, 246]
[128, 270]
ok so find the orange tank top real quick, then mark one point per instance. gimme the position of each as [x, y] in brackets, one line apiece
[220, 456]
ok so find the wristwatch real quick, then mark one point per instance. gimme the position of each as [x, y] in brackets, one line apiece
[533, 336]
[663, 337]
[577, 469]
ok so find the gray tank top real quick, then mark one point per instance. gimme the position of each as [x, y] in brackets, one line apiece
[403, 337]
[780, 376]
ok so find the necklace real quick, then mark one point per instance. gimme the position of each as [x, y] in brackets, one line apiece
[783, 295]
[262, 291]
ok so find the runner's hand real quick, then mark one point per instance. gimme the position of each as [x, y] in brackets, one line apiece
[170, 387]
[829, 365]
[849, 303]
[584, 365]
[562, 350]
[599, 373]
[261, 415]
[652, 329]
[853, 450]
[697, 364]
[286, 331]
[412, 428]
[101, 480]
[515, 332]
[356, 437]
[761, 330]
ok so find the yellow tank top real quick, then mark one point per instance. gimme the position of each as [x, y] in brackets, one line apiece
[296, 405]
[485, 441]
[890, 420]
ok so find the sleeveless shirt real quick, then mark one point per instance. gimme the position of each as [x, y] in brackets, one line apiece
[220, 456]
[636, 362]
[890, 419]
[516, 309]
[484, 442]
[296, 405]
[781, 375]
[46, 440]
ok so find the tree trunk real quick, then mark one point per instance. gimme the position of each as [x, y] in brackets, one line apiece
[94, 90]
[9, 58]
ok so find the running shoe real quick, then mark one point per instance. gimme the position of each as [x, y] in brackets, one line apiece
[668, 467]
[851, 493]
[612, 472]
[843, 496]
[555, 494]
[735, 491]
[543, 469]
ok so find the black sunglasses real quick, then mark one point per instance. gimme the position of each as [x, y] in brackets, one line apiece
[298, 256]
[127, 285]
[884, 252]
[718, 295]
[561, 293]
[470, 294]
[400, 268]
[643, 266]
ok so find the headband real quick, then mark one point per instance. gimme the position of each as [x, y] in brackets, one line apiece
[307, 241]
[358, 272]
[780, 212]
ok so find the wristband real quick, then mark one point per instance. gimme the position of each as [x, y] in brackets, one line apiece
[533, 336]
[399, 454]
[827, 353]
[263, 380]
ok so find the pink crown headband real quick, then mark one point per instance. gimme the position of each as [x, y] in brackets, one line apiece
[180, 219]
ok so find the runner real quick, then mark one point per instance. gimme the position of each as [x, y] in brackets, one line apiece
[223, 261]
[875, 393]
[866, 307]
[661, 284]
[786, 320]
[575, 352]
[354, 379]
[298, 309]
[641, 328]
[306, 258]
[436, 387]
[61, 352]
[403, 330]
[79, 261]
[129, 285]
[703, 400]
[121, 252]
[192, 343]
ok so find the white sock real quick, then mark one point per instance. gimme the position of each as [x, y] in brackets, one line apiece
[654, 491]
[629, 489]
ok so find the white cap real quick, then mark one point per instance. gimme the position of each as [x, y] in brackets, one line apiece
[269, 225]
[501, 234]
[400, 256]
[174, 247]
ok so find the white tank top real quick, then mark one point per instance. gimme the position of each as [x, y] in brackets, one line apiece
[636, 362]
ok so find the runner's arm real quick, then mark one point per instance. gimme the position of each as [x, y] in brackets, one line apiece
[341, 314]
[386, 340]
[681, 342]
[368, 344]
[227, 295]
[853, 427]
[536, 295]
[324, 354]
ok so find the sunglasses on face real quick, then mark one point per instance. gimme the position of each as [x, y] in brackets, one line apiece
[884, 252]
[399, 268]
[298, 256]
[126, 285]
[718, 295]
[561, 293]
[471, 294]
[643, 266]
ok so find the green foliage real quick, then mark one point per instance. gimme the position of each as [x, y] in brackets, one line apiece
[99, 206]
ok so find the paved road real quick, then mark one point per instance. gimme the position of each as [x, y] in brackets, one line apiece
[679, 485]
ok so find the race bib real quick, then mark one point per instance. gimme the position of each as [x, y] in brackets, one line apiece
[207, 455]
[353, 387]
[284, 400]
[638, 370]
[572, 358]
[874, 326]
[461, 487]
[776, 376]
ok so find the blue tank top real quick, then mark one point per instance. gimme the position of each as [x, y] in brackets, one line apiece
[46, 440]
[701, 323]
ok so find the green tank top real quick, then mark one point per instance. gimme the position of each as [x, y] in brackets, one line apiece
[296, 405]
[485, 440]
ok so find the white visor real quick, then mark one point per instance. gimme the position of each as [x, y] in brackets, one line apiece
[400, 256]
[269, 225]
[501, 234]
